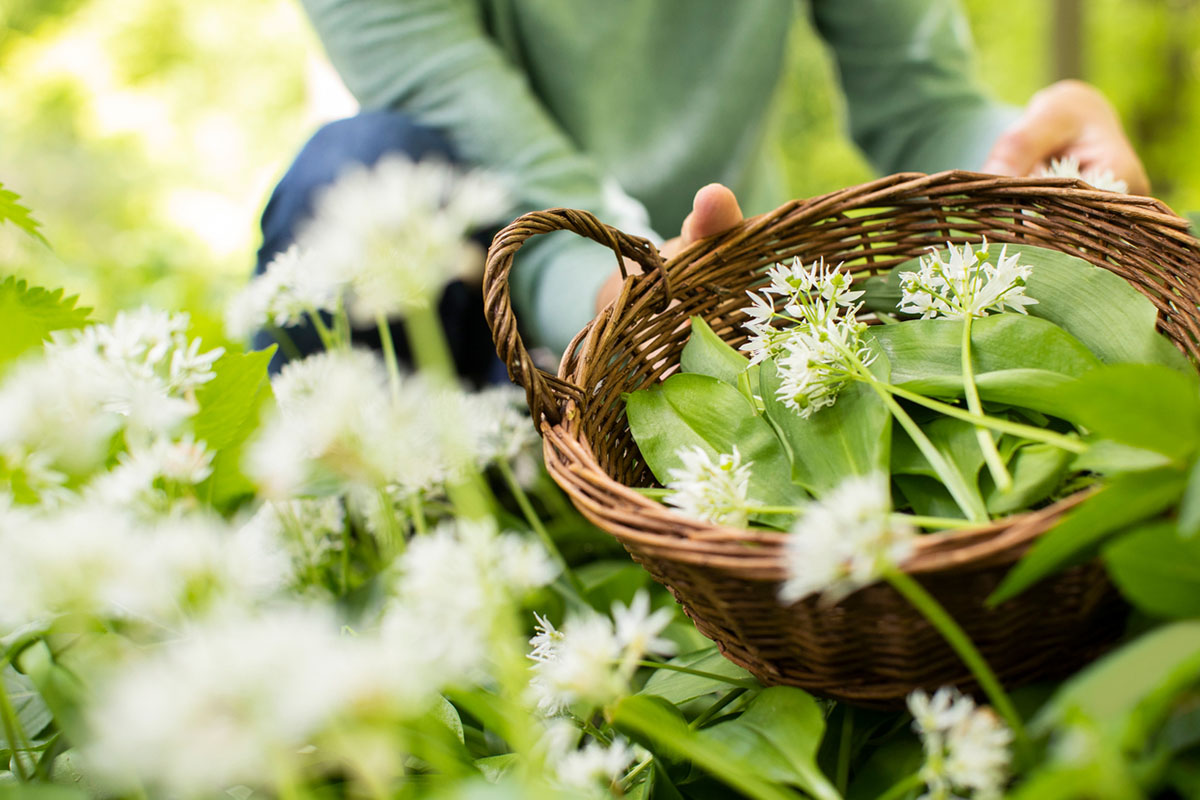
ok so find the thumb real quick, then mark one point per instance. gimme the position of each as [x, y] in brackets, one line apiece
[715, 210]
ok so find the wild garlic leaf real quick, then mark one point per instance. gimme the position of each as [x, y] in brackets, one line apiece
[1157, 570]
[707, 354]
[1037, 469]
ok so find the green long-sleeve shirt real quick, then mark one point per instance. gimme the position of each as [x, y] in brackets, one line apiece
[626, 107]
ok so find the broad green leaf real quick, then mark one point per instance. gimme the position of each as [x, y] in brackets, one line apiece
[956, 440]
[851, 437]
[608, 581]
[931, 349]
[1189, 508]
[31, 314]
[779, 733]
[1127, 692]
[32, 714]
[699, 411]
[894, 761]
[230, 402]
[494, 767]
[1037, 389]
[1157, 570]
[661, 729]
[1142, 405]
[927, 497]
[679, 687]
[1105, 457]
[445, 712]
[12, 211]
[1037, 469]
[1128, 498]
[707, 354]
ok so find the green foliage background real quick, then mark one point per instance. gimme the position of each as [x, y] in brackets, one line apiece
[145, 134]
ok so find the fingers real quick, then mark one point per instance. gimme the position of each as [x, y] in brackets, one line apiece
[1051, 122]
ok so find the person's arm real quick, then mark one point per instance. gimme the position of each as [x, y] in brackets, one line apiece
[434, 60]
[905, 67]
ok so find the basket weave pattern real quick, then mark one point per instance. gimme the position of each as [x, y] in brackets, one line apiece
[871, 648]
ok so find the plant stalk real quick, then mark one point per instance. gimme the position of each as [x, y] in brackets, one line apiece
[987, 444]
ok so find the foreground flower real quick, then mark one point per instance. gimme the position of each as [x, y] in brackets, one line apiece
[292, 286]
[591, 660]
[820, 347]
[845, 541]
[966, 746]
[1068, 167]
[965, 284]
[711, 490]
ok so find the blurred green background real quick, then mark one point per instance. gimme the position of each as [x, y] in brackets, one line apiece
[146, 134]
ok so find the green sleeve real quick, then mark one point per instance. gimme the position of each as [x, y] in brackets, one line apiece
[906, 69]
[434, 60]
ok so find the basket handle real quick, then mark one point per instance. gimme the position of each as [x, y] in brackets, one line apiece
[546, 392]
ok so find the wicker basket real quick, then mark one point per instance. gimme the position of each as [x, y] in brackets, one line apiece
[872, 648]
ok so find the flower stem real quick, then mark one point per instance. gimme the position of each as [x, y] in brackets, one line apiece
[416, 510]
[954, 635]
[986, 443]
[993, 423]
[716, 708]
[842, 775]
[943, 523]
[428, 343]
[903, 787]
[328, 339]
[284, 340]
[970, 503]
[389, 353]
[742, 682]
[535, 523]
[13, 732]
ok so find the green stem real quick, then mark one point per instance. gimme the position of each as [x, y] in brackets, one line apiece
[970, 503]
[745, 684]
[416, 510]
[954, 635]
[328, 340]
[389, 353]
[941, 523]
[428, 343]
[982, 435]
[903, 787]
[842, 775]
[641, 767]
[716, 708]
[651, 491]
[284, 339]
[535, 523]
[992, 423]
[17, 740]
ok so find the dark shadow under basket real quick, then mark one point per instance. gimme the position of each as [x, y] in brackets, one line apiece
[872, 648]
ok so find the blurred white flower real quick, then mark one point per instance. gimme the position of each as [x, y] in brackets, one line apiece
[396, 233]
[966, 284]
[591, 660]
[593, 768]
[711, 490]
[291, 286]
[844, 540]
[310, 530]
[501, 427]
[1068, 167]
[819, 348]
[966, 746]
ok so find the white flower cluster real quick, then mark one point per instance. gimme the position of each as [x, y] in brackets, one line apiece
[58, 416]
[820, 347]
[104, 564]
[384, 240]
[966, 284]
[593, 657]
[966, 746]
[590, 770]
[712, 490]
[1068, 167]
[844, 540]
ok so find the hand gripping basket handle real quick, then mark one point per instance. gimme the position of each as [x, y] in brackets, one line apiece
[546, 392]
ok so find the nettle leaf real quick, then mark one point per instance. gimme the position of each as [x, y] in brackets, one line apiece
[1127, 499]
[851, 437]
[1127, 693]
[680, 687]
[1157, 570]
[12, 211]
[707, 354]
[925, 350]
[779, 733]
[31, 314]
[695, 410]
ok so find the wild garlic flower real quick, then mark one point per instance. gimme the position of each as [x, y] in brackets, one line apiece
[593, 768]
[966, 746]
[396, 233]
[965, 284]
[712, 490]
[844, 541]
[147, 477]
[1068, 167]
[819, 346]
[291, 286]
[591, 660]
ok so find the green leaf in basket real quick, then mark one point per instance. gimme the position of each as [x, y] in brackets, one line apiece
[1037, 469]
[1189, 508]
[32, 714]
[1127, 499]
[1157, 570]
[1035, 389]
[956, 440]
[1105, 457]
[779, 734]
[1147, 406]
[924, 350]
[707, 354]
[696, 410]
[851, 437]
[1127, 693]
[680, 687]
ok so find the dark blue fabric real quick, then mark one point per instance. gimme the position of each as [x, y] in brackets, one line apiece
[363, 140]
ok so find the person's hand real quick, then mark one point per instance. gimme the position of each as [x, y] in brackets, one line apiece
[1068, 118]
[714, 210]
